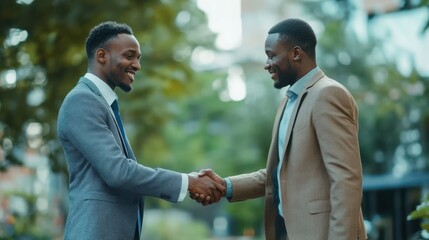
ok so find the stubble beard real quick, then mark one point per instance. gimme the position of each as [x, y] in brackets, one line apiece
[126, 88]
[281, 83]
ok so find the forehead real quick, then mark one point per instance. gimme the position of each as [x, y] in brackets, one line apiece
[273, 41]
[124, 42]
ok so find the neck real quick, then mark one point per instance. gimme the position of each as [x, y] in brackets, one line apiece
[98, 72]
[306, 68]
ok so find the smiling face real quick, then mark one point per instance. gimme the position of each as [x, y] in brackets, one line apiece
[120, 61]
[280, 61]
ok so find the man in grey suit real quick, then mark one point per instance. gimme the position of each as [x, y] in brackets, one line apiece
[107, 184]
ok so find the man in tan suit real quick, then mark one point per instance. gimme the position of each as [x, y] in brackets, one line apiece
[312, 183]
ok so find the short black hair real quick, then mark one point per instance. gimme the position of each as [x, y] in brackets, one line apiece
[297, 33]
[102, 33]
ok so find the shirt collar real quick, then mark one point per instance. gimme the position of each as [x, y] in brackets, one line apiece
[299, 85]
[108, 94]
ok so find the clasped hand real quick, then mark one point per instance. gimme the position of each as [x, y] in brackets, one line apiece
[206, 187]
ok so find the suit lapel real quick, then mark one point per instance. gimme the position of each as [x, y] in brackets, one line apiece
[91, 85]
[298, 104]
[273, 161]
[94, 89]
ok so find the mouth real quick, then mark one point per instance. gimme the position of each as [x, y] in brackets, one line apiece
[273, 75]
[131, 74]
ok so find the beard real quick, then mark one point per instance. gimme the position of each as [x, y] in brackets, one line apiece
[286, 76]
[119, 80]
[285, 80]
[117, 76]
[280, 84]
[126, 88]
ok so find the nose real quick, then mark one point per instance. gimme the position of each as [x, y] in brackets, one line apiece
[136, 65]
[267, 65]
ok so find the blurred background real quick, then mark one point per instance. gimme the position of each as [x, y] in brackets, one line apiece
[203, 100]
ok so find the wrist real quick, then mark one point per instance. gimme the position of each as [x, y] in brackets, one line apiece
[228, 186]
[191, 180]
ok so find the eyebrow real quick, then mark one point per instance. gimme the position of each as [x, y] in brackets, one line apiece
[134, 52]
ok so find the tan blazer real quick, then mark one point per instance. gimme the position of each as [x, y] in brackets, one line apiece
[321, 178]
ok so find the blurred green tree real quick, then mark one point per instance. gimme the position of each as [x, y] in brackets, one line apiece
[393, 119]
[421, 212]
[43, 56]
[174, 116]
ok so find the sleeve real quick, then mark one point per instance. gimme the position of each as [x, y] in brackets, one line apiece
[84, 125]
[228, 194]
[336, 123]
[184, 187]
[248, 186]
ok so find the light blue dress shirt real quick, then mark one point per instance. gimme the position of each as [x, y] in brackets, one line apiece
[292, 93]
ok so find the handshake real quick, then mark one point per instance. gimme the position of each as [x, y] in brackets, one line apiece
[206, 187]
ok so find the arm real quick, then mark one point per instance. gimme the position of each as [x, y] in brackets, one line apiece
[336, 123]
[241, 187]
[85, 129]
[248, 186]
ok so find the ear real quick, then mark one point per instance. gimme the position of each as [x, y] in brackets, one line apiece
[101, 55]
[297, 53]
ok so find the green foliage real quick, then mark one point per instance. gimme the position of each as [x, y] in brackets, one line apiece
[229, 137]
[422, 212]
[173, 116]
[20, 225]
[52, 58]
[165, 225]
[390, 108]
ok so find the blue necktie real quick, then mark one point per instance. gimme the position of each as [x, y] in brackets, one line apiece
[115, 108]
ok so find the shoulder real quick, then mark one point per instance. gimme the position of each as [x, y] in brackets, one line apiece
[81, 94]
[329, 88]
[326, 83]
[81, 107]
[328, 96]
[81, 100]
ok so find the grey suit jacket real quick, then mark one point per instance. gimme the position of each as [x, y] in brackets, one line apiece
[105, 186]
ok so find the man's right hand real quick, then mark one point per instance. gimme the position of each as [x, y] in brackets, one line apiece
[204, 189]
[203, 198]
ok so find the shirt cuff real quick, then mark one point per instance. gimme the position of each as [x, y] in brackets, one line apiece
[228, 194]
[184, 189]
